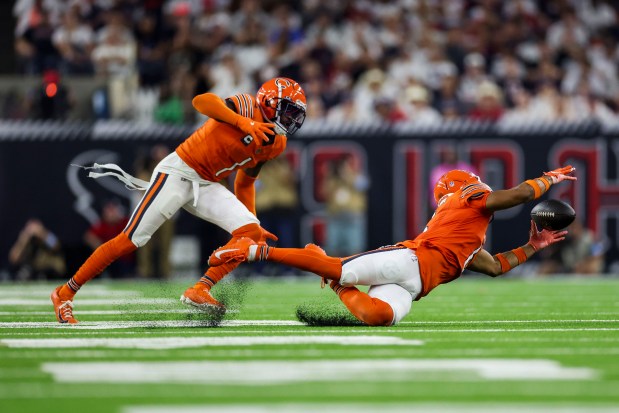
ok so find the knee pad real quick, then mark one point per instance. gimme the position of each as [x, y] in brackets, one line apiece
[252, 231]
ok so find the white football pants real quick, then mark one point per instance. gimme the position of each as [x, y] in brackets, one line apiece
[392, 273]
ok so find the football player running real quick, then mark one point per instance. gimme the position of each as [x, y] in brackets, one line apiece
[243, 133]
[407, 271]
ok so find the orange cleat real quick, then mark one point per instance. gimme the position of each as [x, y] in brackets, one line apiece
[238, 251]
[201, 298]
[63, 308]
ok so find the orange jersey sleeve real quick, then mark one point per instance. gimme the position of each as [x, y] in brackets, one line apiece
[217, 149]
[452, 238]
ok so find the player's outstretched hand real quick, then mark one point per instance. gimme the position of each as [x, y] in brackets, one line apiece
[561, 174]
[541, 239]
[267, 235]
[257, 130]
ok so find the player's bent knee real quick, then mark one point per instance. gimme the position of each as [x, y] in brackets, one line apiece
[252, 231]
[398, 299]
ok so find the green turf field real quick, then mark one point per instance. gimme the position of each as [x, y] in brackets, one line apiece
[489, 345]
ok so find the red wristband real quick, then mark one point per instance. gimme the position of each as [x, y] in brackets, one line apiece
[520, 254]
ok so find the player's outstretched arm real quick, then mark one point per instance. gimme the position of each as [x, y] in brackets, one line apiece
[495, 265]
[214, 107]
[528, 190]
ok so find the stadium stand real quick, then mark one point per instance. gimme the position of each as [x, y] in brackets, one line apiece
[487, 59]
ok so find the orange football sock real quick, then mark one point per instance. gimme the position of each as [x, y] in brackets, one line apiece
[308, 260]
[103, 256]
[214, 274]
[370, 310]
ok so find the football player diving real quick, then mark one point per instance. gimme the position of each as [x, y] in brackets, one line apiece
[407, 271]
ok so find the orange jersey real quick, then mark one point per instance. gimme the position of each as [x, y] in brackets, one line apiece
[453, 236]
[216, 149]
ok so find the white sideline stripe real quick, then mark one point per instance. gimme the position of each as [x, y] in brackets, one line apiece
[117, 312]
[112, 325]
[92, 301]
[372, 408]
[274, 371]
[165, 343]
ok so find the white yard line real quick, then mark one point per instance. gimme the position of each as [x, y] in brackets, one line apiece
[90, 301]
[26, 293]
[166, 324]
[112, 325]
[187, 310]
[268, 372]
[374, 407]
[166, 343]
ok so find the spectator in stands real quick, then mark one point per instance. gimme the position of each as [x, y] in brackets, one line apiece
[548, 105]
[585, 106]
[286, 41]
[372, 87]
[344, 112]
[489, 105]
[152, 48]
[74, 41]
[35, 50]
[446, 97]
[510, 74]
[473, 77]
[37, 253]
[345, 190]
[596, 14]
[523, 43]
[417, 107]
[228, 76]
[521, 112]
[251, 46]
[580, 253]
[115, 53]
[387, 110]
[566, 32]
[113, 220]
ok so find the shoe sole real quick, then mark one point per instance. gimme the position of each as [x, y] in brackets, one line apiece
[205, 306]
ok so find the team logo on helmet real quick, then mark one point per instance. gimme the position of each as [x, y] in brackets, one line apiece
[283, 102]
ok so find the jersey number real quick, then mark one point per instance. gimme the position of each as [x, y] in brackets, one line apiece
[247, 140]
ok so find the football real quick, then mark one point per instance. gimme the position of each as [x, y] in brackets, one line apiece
[553, 214]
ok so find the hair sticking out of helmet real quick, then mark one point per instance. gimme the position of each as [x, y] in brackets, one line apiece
[282, 101]
[452, 181]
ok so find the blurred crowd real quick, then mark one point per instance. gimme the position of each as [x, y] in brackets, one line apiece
[358, 60]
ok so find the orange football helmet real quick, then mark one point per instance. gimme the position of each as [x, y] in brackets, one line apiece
[453, 180]
[283, 102]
